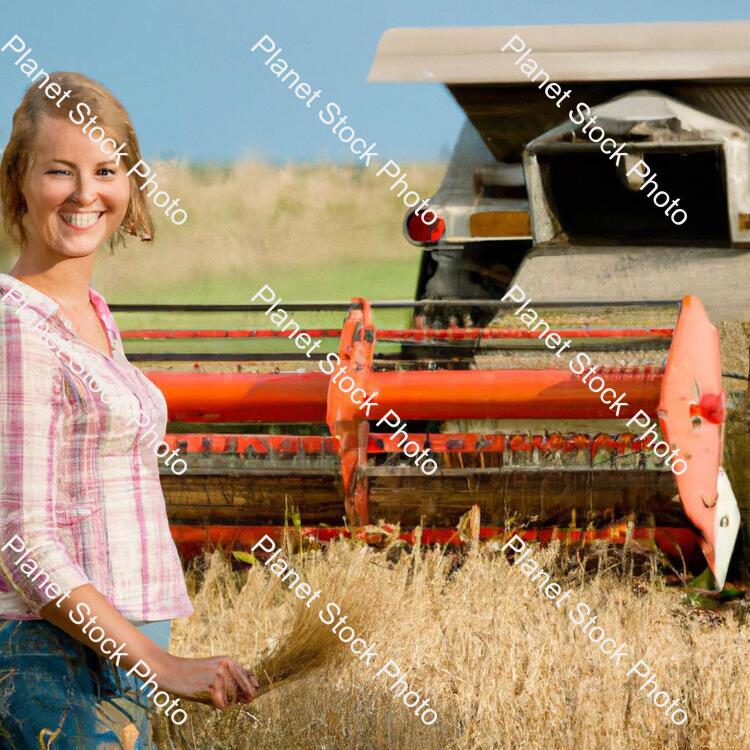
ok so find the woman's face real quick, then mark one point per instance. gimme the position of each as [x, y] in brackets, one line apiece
[76, 196]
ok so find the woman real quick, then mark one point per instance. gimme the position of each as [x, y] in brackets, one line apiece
[88, 567]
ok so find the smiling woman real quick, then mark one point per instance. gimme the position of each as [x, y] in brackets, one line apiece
[37, 161]
[78, 482]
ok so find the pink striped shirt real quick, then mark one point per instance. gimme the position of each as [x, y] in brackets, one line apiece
[79, 481]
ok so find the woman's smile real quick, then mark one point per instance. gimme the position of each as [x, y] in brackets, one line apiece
[81, 221]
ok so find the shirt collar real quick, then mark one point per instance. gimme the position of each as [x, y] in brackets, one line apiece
[103, 311]
[19, 294]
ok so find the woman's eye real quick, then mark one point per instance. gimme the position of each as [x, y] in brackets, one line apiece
[106, 172]
[59, 171]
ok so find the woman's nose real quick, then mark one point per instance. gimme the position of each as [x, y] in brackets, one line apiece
[85, 191]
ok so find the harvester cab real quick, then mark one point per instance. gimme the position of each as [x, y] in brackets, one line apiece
[558, 369]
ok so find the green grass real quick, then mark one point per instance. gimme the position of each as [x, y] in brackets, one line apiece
[390, 278]
[334, 282]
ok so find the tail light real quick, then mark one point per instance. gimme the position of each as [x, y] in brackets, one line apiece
[419, 231]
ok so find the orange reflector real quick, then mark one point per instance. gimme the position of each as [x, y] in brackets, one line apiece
[500, 224]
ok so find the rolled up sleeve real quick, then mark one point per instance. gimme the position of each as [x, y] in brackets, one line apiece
[32, 410]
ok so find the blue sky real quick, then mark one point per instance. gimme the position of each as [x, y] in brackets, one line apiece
[185, 72]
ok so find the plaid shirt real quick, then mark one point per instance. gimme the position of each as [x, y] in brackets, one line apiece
[79, 481]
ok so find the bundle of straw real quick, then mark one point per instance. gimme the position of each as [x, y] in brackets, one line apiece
[310, 644]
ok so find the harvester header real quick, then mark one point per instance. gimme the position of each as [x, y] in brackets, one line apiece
[487, 416]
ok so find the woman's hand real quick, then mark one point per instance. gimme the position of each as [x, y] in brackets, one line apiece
[217, 680]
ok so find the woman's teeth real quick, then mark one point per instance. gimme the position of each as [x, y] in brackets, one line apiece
[81, 220]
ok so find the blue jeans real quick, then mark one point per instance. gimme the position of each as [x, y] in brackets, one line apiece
[56, 694]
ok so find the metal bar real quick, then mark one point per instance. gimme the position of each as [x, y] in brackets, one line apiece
[459, 334]
[410, 471]
[527, 345]
[417, 395]
[222, 357]
[507, 394]
[384, 305]
[198, 357]
[381, 358]
[416, 334]
[238, 397]
[246, 333]
[291, 306]
[538, 304]
[257, 471]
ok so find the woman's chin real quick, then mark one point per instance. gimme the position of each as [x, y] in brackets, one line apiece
[79, 247]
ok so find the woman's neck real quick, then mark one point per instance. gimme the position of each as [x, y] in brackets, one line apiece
[66, 281]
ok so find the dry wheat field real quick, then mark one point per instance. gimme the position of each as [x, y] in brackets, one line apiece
[502, 666]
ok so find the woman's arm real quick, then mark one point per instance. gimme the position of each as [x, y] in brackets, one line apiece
[217, 679]
[31, 416]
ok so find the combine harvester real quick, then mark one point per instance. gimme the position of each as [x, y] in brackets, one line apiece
[546, 253]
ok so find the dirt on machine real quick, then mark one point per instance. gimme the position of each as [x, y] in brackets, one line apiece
[574, 362]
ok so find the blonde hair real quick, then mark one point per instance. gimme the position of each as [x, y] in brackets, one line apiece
[111, 115]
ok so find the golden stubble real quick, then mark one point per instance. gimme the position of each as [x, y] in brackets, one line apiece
[501, 665]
